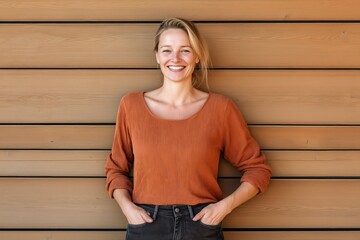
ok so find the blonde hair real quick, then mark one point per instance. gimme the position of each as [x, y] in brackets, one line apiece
[197, 43]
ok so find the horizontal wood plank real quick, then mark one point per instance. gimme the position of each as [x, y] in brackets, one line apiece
[91, 163]
[52, 162]
[83, 203]
[101, 137]
[234, 45]
[56, 137]
[80, 96]
[307, 137]
[314, 163]
[264, 96]
[229, 235]
[112, 10]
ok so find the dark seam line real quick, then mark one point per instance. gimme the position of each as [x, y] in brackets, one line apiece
[63, 229]
[57, 124]
[70, 177]
[54, 149]
[305, 177]
[225, 178]
[305, 124]
[277, 21]
[107, 149]
[159, 21]
[320, 178]
[77, 68]
[112, 124]
[265, 149]
[81, 22]
[57, 149]
[211, 69]
[225, 229]
[291, 229]
[311, 149]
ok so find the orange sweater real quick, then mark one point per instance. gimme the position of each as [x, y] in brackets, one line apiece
[176, 161]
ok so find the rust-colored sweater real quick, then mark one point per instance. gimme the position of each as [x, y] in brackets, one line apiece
[176, 161]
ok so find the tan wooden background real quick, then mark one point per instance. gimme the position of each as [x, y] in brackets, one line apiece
[293, 67]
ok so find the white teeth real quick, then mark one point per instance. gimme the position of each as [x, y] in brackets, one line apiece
[176, 68]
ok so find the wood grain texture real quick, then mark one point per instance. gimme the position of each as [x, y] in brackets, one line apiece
[78, 96]
[83, 203]
[91, 163]
[233, 45]
[229, 235]
[52, 162]
[306, 120]
[101, 137]
[307, 137]
[264, 96]
[306, 164]
[140, 10]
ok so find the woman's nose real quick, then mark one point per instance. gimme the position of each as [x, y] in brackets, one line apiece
[175, 56]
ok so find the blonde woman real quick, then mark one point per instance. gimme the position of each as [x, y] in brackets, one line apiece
[172, 137]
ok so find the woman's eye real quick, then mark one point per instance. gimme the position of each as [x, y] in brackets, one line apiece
[185, 51]
[165, 51]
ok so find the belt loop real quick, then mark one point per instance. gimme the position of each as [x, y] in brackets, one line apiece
[155, 212]
[190, 211]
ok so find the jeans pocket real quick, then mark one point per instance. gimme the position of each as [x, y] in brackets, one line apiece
[217, 226]
[137, 225]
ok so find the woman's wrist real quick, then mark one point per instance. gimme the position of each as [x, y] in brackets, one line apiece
[245, 192]
[228, 204]
[123, 198]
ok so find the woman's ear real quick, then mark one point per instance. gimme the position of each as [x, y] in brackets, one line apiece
[197, 60]
[157, 58]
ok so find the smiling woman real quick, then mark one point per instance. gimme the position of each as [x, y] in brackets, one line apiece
[173, 137]
[193, 40]
[175, 56]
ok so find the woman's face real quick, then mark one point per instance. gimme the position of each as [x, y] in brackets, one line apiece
[175, 56]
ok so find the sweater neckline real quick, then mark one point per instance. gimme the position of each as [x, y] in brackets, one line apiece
[147, 109]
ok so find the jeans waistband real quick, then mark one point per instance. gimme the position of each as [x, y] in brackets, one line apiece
[190, 210]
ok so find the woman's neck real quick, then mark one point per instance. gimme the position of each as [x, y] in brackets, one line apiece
[177, 94]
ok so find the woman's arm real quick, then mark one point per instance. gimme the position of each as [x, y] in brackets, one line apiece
[133, 213]
[213, 214]
[243, 152]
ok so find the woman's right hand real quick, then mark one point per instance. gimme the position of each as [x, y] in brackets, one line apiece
[136, 215]
[133, 213]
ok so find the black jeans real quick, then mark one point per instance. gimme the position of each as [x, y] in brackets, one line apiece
[173, 223]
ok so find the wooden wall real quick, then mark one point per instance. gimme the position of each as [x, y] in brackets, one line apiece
[293, 67]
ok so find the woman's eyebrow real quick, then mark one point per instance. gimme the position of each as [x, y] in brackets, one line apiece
[170, 46]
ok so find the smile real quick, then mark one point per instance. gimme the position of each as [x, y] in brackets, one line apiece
[176, 68]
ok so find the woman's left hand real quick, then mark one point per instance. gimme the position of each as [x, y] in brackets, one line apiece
[213, 213]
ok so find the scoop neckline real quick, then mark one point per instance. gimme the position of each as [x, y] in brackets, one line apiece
[142, 95]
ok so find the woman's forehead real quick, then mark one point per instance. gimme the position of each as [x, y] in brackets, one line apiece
[174, 37]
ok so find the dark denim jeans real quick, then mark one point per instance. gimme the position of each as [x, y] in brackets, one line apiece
[173, 223]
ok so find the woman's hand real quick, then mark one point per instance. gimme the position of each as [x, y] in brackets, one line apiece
[213, 214]
[136, 215]
[133, 213]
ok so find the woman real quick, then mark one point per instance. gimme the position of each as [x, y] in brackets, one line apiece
[172, 137]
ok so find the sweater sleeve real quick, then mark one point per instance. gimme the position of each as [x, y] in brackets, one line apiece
[120, 160]
[242, 151]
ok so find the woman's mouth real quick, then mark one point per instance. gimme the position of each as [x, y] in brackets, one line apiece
[174, 68]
